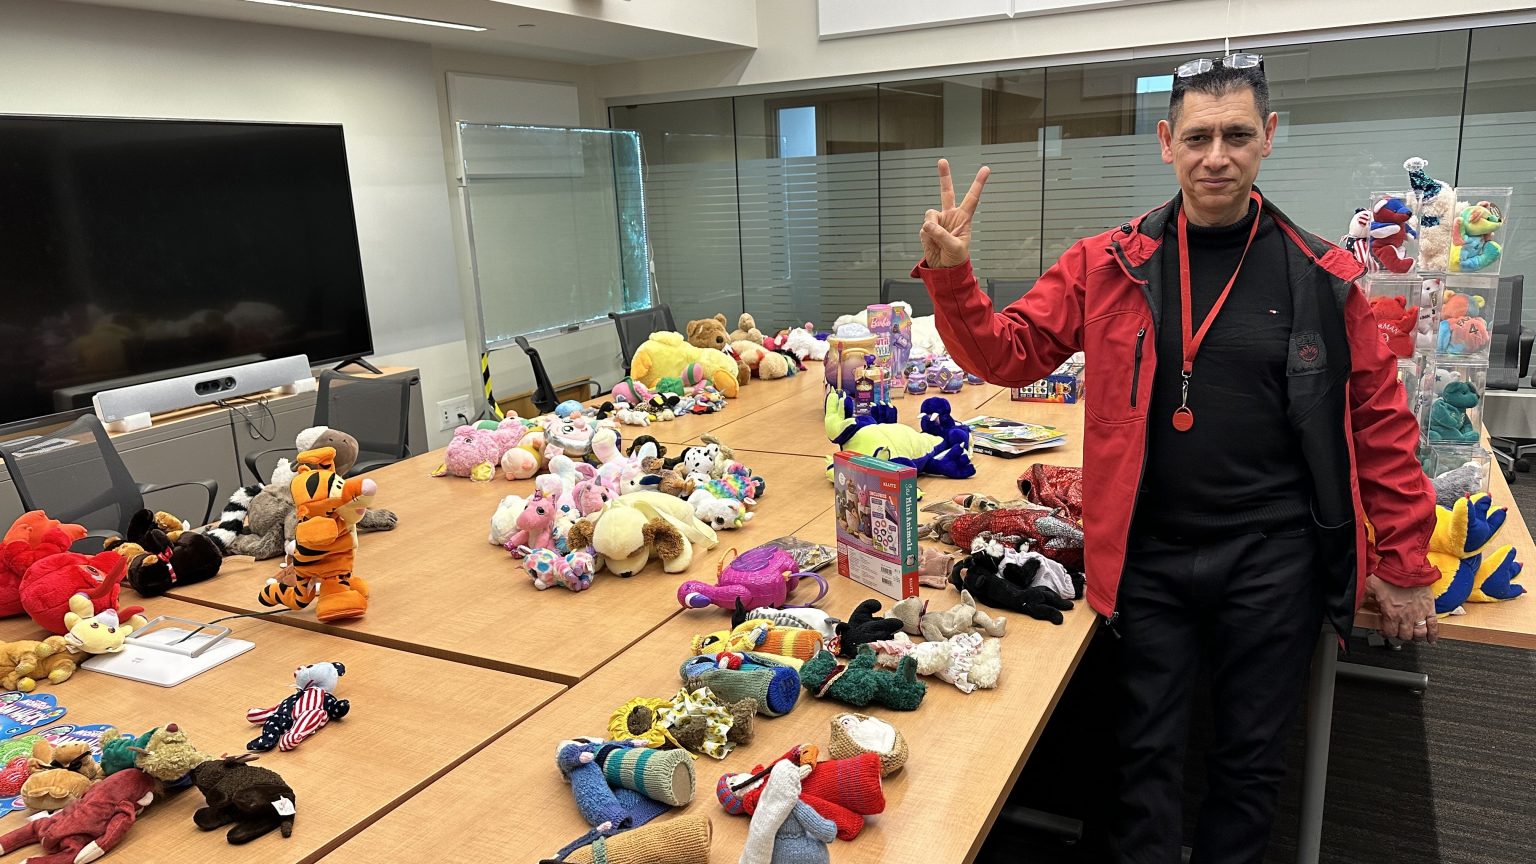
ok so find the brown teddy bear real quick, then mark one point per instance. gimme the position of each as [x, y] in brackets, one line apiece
[24, 663]
[712, 333]
[746, 330]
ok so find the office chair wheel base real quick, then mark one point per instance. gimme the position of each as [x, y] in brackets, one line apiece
[1509, 476]
[1523, 465]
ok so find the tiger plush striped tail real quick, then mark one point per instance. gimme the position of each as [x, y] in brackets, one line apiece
[295, 597]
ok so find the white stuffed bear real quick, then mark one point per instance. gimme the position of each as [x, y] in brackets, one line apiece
[1437, 206]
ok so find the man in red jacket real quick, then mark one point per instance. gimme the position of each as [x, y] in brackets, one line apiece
[1244, 428]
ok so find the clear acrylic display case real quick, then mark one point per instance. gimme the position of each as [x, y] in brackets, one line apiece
[1416, 390]
[1394, 232]
[1404, 314]
[1455, 394]
[1481, 229]
[1463, 332]
[1458, 469]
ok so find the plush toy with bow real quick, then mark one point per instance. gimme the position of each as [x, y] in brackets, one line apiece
[879, 434]
[159, 559]
[286, 724]
[1457, 548]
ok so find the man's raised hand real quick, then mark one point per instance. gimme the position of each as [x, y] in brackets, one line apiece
[946, 232]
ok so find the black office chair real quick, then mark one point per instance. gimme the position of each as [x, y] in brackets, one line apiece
[375, 411]
[544, 396]
[636, 327]
[76, 475]
[911, 291]
[1509, 361]
[1005, 291]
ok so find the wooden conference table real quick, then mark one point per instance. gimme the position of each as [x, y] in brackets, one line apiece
[441, 590]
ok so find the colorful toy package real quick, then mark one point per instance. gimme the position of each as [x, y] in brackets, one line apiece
[875, 504]
[892, 328]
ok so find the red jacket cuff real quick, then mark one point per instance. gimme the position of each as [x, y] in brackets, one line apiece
[943, 279]
[1426, 575]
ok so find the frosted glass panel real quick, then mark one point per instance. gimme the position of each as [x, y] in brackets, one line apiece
[557, 226]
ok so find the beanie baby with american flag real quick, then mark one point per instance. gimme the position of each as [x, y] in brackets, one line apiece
[286, 724]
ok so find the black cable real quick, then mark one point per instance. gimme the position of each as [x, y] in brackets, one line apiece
[250, 417]
[208, 624]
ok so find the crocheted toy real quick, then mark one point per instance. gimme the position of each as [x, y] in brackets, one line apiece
[842, 790]
[769, 681]
[1472, 245]
[1467, 572]
[764, 576]
[668, 355]
[58, 776]
[474, 452]
[862, 627]
[102, 632]
[679, 840]
[666, 776]
[1396, 322]
[802, 617]
[855, 734]
[763, 637]
[1391, 225]
[697, 721]
[983, 575]
[963, 617]
[879, 434]
[159, 558]
[639, 526]
[324, 543]
[25, 663]
[255, 800]
[861, 683]
[90, 827]
[31, 538]
[1460, 482]
[286, 724]
[1436, 206]
[784, 829]
[1448, 420]
[50, 583]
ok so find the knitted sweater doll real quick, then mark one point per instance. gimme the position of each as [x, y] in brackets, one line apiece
[786, 830]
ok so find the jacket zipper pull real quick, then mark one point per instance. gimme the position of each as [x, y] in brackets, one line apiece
[1111, 621]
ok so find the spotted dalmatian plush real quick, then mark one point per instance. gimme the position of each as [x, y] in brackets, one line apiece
[286, 724]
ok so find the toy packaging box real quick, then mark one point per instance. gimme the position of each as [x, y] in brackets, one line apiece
[893, 343]
[875, 505]
[1064, 386]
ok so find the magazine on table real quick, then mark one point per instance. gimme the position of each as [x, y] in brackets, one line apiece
[999, 436]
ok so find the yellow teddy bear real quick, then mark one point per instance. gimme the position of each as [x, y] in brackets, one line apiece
[668, 355]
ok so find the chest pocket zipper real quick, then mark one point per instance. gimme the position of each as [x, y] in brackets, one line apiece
[1141, 336]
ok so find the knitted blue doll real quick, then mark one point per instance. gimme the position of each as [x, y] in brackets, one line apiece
[607, 809]
[286, 724]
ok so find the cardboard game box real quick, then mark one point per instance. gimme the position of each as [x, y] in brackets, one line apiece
[875, 505]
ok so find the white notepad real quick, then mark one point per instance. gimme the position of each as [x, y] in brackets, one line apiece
[141, 661]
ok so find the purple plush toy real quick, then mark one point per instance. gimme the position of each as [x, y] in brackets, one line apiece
[764, 576]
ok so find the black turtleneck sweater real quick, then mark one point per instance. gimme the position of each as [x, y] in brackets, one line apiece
[1240, 469]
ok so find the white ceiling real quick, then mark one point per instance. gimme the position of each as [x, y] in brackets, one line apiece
[555, 36]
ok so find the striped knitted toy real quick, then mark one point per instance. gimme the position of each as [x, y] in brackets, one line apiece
[608, 810]
[682, 840]
[763, 637]
[775, 687]
[842, 790]
[660, 775]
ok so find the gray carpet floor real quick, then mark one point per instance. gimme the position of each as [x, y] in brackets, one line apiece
[1446, 776]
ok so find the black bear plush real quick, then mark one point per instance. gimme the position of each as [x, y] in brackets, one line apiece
[157, 561]
[255, 799]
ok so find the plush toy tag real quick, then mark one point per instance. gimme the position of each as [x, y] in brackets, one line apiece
[21, 712]
[283, 806]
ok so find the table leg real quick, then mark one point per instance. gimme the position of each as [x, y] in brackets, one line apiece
[1314, 781]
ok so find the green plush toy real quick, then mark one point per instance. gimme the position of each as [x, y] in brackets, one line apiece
[860, 683]
[880, 435]
[1448, 420]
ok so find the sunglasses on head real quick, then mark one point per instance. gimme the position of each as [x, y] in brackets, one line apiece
[1203, 65]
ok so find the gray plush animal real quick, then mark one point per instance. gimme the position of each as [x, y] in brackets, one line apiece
[1459, 482]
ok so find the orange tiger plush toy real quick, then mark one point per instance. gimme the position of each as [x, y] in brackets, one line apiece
[327, 509]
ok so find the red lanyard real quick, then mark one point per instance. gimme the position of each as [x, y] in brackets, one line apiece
[1183, 418]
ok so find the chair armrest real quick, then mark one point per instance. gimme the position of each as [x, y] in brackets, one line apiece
[370, 465]
[250, 461]
[211, 486]
[1527, 340]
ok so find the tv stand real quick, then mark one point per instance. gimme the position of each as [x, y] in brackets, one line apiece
[358, 361]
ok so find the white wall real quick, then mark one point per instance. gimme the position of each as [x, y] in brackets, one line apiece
[63, 58]
[790, 53]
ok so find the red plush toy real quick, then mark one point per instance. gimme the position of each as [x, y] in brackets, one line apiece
[1388, 230]
[32, 537]
[843, 791]
[1396, 322]
[49, 583]
[91, 826]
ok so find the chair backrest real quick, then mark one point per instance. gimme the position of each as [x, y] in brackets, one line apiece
[1505, 327]
[1005, 291]
[544, 396]
[911, 291]
[636, 327]
[375, 411]
[75, 475]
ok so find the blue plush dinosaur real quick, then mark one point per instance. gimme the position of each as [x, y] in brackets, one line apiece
[946, 454]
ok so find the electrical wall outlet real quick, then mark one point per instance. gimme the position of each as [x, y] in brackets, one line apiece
[455, 412]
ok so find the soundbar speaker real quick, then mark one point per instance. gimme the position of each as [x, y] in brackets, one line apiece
[128, 408]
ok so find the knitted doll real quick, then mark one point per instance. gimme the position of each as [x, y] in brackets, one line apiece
[855, 734]
[679, 840]
[286, 724]
[842, 790]
[607, 809]
[763, 637]
[860, 683]
[786, 830]
[804, 618]
[773, 687]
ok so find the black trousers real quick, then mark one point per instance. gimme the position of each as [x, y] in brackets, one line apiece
[1248, 609]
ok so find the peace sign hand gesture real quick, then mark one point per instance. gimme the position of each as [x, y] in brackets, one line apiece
[946, 232]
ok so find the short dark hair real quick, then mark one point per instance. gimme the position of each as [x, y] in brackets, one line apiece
[1220, 81]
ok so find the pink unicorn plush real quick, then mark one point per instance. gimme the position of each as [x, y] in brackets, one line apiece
[535, 526]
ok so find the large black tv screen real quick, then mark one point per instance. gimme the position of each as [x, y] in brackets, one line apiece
[134, 250]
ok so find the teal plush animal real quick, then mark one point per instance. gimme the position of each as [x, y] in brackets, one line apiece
[880, 435]
[1448, 420]
[860, 683]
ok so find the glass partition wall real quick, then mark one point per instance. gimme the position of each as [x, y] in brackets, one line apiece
[799, 206]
